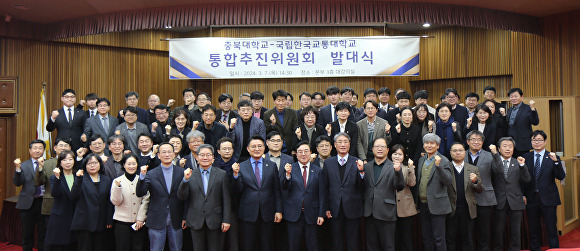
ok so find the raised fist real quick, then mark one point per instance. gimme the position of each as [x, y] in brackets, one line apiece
[40, 162]
[454, 126]
[144, 169]
[553, 156]
[195, 124]
[397, 166]
[118, 182]
[154, 126]
[493, 149]
[502, 111]
[387, 128]
[104, 158]
[328, 129]
[54, 114]
[182, 162]
[288, 168]
[233, 123]
[398, 117]
[122, 113]
[171, 102]
[313, 157]
[117, 132]
[521, 160]
[56, 172]
[155, 149]
[168, 129]
[398, 128]
[126, 152]
[225, 124]
[430, 124]
[437, 160]
[80, 173]
[235, 169]
[298, 132]
[82, 102]
[81, 152]
[187, 173]
[533, 105]
[17, 163]
[360, 165]
[273, 119]
[84, 138]
[410, 162]
[473, 177]
[469, 120]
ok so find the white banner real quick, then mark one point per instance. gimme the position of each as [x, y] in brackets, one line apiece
[292, 57]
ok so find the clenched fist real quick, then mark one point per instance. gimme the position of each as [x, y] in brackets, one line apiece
[84, 138]
[80, 173]
[104, 158]
[144, 169]
[454, 126]
[187, 173]
[533, 105]
[298, 132]
[83, 102]
[469, 120]
[235, 169]
[397, 166]
[56, 172]
[154, 126]
[168, 129]
[387, 128]
[117, 132]
[410, 163]
[521, 160]
[40, 163]
[437, 160]
[360, 165]
[328, 129]
[493, 149]
[313, 157]
[473, 177]
[182, 162]
[233, 123]
[195, 124]
[273, 119]
[553, 156]
[502, 111]
[54, 114]
[288, 168]
[398, 128]
[118, 182]
[81, 152]
[430, 124]
[17, 164]
[171, 102]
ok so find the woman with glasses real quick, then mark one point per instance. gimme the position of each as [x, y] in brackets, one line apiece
[180, 125]
[406, 208]
[408, 134]
[447, 129]
[482, 121]
[424, 119]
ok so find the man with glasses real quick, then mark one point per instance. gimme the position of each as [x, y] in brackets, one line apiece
[103, 124]
[225, 113]
[68, 121]
[541, 194]
[323, 145]
[257, 182]
[370, 94]
[153, 101]
[113, 167]
[403, 100]
[520, 118]
[212, 130]
[370, 129]
[458, 112]
[257, 99]
[132, 99]
[243, 128]
[161, 120]
[131, 129]
[274, 142]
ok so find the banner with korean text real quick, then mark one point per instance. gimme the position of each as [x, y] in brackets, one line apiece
[293, 57]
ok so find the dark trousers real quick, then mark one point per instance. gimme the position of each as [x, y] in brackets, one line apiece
[324, 236]
[514, 219]
[432, 229]
[380, 235]
[483, 226]
[129, 239]
[536, 211]
[62, 247]
[281, 235]
[257, 233]
[404, 234]
[299, 231]
[232, 237]
[91, 241]
[460, 225]
[207, 239]
[342, 228]
[30, 219]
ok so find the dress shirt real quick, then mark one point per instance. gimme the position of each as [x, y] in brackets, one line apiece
[307, 167]
[260, 164]
[281, 116]
[514, 112]
[541, 153]
[93, 112]
[333, 112]
[480, 127]
[459, 167]
[342, 126]
[474, 157]
[205, 178]
[65, 109]
[275, 159]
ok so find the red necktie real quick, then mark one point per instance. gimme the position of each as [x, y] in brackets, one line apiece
[304, 173]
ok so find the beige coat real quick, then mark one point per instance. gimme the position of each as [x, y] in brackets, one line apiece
[128, 207]
[405, 202]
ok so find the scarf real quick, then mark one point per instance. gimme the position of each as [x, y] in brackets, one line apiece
[445, 132]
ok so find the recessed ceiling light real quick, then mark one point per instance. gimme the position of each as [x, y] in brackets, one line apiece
[426, 25]
[20, 7]
[168, 27]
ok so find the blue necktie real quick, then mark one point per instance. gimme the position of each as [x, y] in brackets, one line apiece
[205, 179]
[38, 191]
[257, 173]
[537, 171]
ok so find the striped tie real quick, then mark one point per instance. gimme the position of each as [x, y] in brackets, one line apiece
[506, 167]
[537, 171]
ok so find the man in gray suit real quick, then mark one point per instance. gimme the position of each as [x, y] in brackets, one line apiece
[131, 129]
[243, 129]
[383, 182]
[485, 163]
[466, 184]
[208, 193]
[434, 176]
[508, 192]
[30, 198]
[369, 129]
[103, 124]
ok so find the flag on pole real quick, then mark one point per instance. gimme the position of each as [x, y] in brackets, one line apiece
[41, 132]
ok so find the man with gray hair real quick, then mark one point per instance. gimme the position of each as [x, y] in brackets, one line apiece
[208, 193]
[508, 192]
[194, 140]
[434, 176]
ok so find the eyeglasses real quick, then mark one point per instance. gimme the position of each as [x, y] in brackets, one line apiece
[275, 140]
[69, 96]
[380, 147]
[256, 146]
[208, 155]
[476, 140]
[537, 141]
[92, 163]
[130, 115]
[324, 145]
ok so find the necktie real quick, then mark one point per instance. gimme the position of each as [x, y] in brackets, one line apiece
[225, 118]
[505, 167]
[537, 171]
[106, 125]
[205, 179]
[92, 114]
[342, 161]
[257, 173]
[70, 118]
[304, 175]
[38, 191]
[333, 110]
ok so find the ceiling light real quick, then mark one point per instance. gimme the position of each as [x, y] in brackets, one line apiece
[426, 25]
[168, 27]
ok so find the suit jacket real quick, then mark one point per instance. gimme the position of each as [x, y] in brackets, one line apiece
[352, 130]
[470, 188]
[212, 208]
[161, 201]
[325, 115]
[347, 192]
[521, 130]
[111, 170]
[441, 177]
[232, 116]
[405, 200]
[262, 111]
[142, 117]
[549, 171]
[287, 130]
[141, 129]
[508, 191]
[94, 126]
[257, 127]
[58, 229]
[363, 135]
[284, 159]
[298, 199]
[318, 130]
[380, 196]
[360, 114]
[42, 179]
[91, 205]
[489, 132]
[71, 131]
[189, 163]
[214, 134]
[128, 206]
[486, 163]
[265, 198]
[25, 178]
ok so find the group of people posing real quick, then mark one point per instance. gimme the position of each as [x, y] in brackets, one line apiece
[284, 179]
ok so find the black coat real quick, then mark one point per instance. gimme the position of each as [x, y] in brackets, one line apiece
[58, 230]
[94, 210]
[411, 138]
[352, 130]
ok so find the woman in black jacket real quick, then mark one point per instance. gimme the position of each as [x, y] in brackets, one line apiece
[499, 120]
[408, 134]
[91, 192]
[482, 121]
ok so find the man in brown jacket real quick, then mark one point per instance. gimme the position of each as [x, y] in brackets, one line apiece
[466, 183]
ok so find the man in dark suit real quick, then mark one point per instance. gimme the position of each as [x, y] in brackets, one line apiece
[90, 102]
[489, 94]
[165, 216]
[466, 184]
[541, 194]
[458, 112]
[30, 198]
[403, 100]
[283, 120]
[104, 124]
[384, 94]
[68, 121]
[131, 128]
[318, 99]
[257, 99]
[257, 182]
[305, 99]
[132, 99]
[520, 118]
[304, 199]
[243, 129]
[344, 175]
[342, 124]
[370, 94]
[384, 180]
[208, 195]
[274, 143]
[328, 112]
[309, 130]
[225, 113]
[212, 129]
[486, 199]
[507, 181]
[434, 176]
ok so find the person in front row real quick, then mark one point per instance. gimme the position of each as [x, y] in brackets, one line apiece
[344, 175]
[304, 199]
[434, 175]
[510, 201]
[257, 182]
[207, 191]
[384, 180]
[165, 217]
